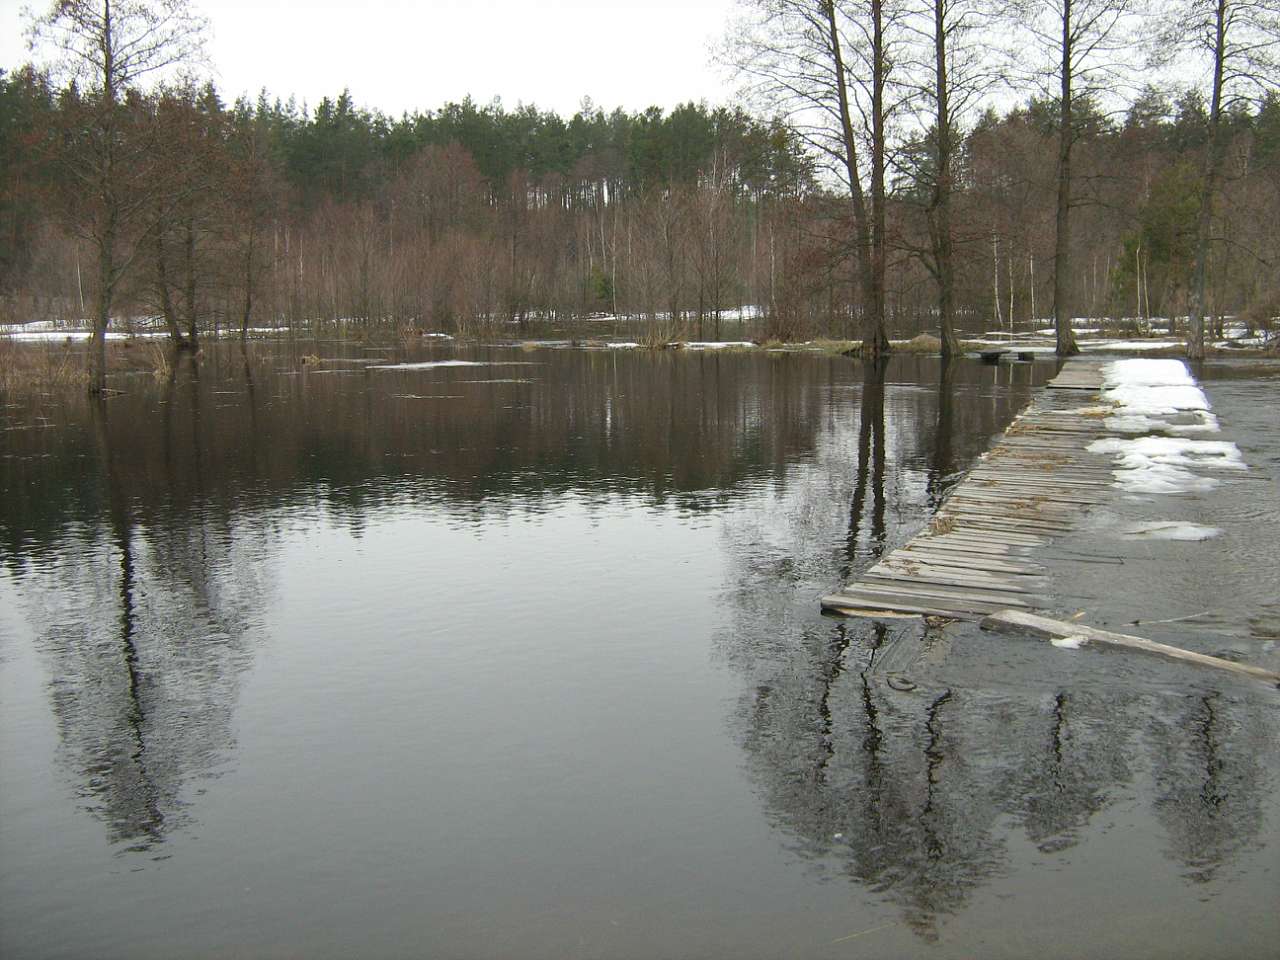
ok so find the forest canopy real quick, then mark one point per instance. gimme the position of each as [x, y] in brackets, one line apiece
[467, 216]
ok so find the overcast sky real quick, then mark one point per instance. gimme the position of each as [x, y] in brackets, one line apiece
[398, 55]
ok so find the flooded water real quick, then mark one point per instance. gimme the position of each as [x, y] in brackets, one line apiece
[503, 652]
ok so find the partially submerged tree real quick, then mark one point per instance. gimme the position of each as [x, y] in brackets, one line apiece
[109, 48]
[827, 66]
[950, 80]
[1082, 46]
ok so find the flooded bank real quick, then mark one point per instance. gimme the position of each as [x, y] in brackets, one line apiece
[516, 652]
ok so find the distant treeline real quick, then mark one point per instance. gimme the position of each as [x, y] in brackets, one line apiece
[472, 216]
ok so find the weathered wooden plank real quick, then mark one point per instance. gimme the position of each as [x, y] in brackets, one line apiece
[855, 601]
[973, 561]
[934, 592]
[985, 524]
[925, 566]
[956, 575]
[1023, 621]
[932, 577]
[955, 544]
[1047, 518]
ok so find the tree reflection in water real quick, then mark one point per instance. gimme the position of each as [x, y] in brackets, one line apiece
[911, 789]
[1209, 779]
[913, 792]
[147, 652]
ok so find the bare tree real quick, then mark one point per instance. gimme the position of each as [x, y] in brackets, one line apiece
[823, 64]
[111, 47]
[1238, 41]
[1082, 44]
[946, 80]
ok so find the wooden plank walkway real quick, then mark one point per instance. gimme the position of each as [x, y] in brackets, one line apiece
[976, 555]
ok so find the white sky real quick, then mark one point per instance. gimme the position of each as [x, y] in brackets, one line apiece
[398, 55]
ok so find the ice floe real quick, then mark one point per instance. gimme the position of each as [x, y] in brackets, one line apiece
[1163, 464]
[1073, 642]
[1169, 530]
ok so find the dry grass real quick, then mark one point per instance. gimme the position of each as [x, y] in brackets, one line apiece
[161, 365]
[52, 364]
[942, 524]
[924, 343]
[845, 348]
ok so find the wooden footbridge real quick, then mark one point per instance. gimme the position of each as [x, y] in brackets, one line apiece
[977, 558]
[977, 554]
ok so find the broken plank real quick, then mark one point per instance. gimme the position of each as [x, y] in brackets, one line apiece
[1019, 620]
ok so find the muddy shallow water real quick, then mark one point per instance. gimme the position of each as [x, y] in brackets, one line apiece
[517, 653]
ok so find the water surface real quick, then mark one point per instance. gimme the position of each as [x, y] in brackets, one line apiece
[520, 656]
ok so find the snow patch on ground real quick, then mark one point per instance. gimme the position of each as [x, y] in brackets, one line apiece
[431, 364]
[1133, 346]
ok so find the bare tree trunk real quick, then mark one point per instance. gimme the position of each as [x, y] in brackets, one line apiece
[162, 287]
[1066, 341]
[101, 317]
[942, 186]
[1212, 163]
[875, 342]
[247, 313]
[861, 223]
[189, 292]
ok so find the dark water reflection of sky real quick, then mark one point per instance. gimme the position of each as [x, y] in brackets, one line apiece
[525, 661]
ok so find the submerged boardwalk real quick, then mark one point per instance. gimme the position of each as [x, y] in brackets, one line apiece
[976, 555]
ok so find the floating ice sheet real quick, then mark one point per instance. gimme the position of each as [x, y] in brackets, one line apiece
[1073, 642]
[1163, 464]
[1169, 530]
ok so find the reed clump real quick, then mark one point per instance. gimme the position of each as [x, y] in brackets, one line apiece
[923, 343]
[844, 348]
[24, 366]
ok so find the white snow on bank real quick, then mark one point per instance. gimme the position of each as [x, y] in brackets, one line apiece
[61, 336]
[716, 344]
[431, 364]
[1169, 530]
[1130, 346]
